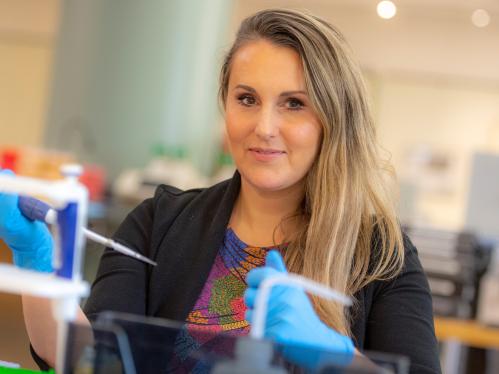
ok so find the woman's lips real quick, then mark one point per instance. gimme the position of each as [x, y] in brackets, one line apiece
[266, 154]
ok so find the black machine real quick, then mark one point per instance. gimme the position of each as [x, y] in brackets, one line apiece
[454, 263]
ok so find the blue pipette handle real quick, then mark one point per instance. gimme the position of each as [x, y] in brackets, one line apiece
[33, 209]
[37, 210]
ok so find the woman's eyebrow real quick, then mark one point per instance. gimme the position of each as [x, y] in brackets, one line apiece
[285, 93]
[291, 93]
[247, 88]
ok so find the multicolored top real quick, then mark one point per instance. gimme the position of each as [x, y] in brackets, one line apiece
[220, 306]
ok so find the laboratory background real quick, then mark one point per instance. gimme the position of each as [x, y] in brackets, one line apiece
[128, 89]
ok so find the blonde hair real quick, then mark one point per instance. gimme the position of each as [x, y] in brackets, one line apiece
[351, 235]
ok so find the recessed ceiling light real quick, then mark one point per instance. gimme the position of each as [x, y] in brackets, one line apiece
[386, 9]
[480, 18]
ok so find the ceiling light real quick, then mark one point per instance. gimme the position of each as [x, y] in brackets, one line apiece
[386, 9]
[480, 18]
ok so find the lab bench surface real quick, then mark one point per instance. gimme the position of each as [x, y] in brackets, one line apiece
[457, 337]
[468, 332]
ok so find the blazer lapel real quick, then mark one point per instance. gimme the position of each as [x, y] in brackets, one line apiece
[188, 250]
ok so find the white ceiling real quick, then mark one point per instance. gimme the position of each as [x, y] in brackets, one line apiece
[446, 5]
[429, 37]
[433, 37]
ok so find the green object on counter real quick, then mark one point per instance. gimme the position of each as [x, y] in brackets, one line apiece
[177, 152]
[4, 370]
[225, 159]
[159, 150]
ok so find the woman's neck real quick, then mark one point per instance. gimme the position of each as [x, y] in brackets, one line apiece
[257, 215]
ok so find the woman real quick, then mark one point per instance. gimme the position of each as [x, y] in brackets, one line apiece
[310, 183]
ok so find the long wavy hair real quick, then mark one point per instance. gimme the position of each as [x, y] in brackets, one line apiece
[350, 234]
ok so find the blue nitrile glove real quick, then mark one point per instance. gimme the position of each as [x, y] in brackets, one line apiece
[30, 241]
[291, 319]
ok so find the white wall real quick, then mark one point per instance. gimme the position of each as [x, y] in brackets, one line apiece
[27, 32]
[455, 118]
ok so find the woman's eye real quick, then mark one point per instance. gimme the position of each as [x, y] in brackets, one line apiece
[246, 100]
[294, 104]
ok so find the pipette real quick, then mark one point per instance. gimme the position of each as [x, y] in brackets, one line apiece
[35, 209]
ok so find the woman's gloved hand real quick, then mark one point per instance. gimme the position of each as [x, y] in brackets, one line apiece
[291, 319]
[30, 241]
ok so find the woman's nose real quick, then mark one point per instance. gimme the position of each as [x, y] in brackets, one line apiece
[267, 124]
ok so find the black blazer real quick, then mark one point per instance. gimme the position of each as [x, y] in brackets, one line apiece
[183, 230]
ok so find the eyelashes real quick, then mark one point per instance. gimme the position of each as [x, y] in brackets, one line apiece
[295, 104]
[246, 100]
[291, 103]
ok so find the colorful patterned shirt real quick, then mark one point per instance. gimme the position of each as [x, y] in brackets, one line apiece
[220, 306]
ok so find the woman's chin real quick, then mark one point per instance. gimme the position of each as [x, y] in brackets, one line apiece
[267, 183]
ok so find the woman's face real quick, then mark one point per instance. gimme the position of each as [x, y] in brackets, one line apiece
[273, 132]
